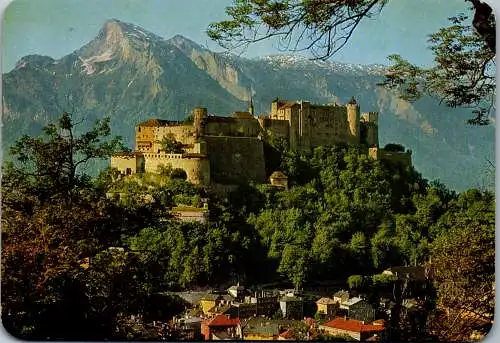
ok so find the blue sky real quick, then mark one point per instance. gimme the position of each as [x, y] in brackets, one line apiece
[58, 27]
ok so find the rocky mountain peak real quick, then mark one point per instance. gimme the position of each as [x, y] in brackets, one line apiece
[112, 33]
[116, 41]
[185, 44]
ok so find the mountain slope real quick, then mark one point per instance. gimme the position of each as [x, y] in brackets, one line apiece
[130, 75]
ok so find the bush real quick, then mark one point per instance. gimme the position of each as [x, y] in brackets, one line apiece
[355, 281]
[382, 279]
[164, 170]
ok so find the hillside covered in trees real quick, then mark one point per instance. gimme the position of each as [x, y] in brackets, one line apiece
[344, 214]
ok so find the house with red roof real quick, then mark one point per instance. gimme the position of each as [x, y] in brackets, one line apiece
[221, 327]
[357, 329]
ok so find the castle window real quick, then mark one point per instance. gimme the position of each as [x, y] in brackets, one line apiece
[139, 129]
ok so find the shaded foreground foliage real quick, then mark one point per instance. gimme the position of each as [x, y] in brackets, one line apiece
[342, 209]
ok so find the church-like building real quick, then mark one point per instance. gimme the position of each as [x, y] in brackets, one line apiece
[227, 150]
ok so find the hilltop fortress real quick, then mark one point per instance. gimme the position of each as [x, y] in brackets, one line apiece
[226, 150]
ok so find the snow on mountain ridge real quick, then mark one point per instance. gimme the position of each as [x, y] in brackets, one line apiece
[290, 61]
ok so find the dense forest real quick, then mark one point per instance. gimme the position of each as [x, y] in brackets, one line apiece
[343, 217]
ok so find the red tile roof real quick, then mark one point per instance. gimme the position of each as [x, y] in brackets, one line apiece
[223, 320]
[353, 325]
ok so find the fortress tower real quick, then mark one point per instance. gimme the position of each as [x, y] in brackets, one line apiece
[199, 118]
[369, 123]
[250, 106]
[353, 118]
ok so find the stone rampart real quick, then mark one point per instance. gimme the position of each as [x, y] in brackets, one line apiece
[235, 159]
[197, 168]
[222, 126]
[128, 163]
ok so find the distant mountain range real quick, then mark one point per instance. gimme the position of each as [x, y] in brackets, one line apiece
[131, 75]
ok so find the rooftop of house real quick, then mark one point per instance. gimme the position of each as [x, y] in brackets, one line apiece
[223, 320]
[326, 301]
[262, 328]
[352, 301]
[354, 325]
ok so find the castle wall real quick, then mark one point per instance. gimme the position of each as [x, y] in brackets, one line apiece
[279, 128]
[181, 133]
[196, 168]
[292, 114]
[128, 163]
[233, 159]
[323, 125]
[227, 126]
[369, 127]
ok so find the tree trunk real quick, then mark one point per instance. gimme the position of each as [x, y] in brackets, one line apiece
[484, 23]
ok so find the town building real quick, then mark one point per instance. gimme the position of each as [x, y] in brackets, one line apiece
[358, 330]
[327, 306]
[341, 297]
[221, 327]
[257, 329]
[292, 307]
[209, 301]
[266, 302]
[237, 291]
[359, 309]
